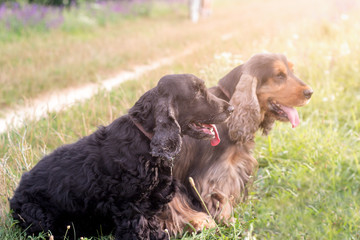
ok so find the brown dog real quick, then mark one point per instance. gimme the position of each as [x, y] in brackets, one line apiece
[262, 90]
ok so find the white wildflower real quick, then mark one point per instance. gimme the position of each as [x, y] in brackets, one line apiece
[344, 17]
[344, 49]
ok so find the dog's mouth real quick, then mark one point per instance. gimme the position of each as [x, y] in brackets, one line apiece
[207, 131]
[285, 113]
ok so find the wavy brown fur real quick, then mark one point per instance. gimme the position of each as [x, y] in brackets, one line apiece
[222, 173]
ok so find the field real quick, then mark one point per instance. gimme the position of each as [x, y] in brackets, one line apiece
[308, 182]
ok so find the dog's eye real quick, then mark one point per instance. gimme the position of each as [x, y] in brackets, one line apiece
[281, 75]
[199, 93]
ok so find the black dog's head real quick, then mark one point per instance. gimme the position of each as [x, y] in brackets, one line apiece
[179, 104]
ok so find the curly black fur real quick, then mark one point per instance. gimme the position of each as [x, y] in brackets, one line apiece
[116, 179]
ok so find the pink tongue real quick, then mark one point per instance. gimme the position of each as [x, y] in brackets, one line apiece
[216, 140]
[292, 115]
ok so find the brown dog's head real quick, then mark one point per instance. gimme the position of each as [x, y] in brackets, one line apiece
[262, 90]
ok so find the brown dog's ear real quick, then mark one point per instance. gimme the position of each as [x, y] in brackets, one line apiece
[229, 81]
[245, 119]
[166, 142]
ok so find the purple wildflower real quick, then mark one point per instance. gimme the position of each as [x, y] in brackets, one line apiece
[15, 16]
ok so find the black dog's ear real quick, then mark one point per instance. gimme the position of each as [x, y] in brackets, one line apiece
[166, 142]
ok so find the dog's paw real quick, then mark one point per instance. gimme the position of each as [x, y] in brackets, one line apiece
[202, 221]
[227, 221]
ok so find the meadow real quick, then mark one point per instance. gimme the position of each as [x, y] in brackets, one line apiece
[307, 185]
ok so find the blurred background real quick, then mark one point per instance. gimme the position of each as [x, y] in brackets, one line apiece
[68, 66]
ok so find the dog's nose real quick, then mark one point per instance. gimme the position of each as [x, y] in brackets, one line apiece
[308, 93]
[230, 109]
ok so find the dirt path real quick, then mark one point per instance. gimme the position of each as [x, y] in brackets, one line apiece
[60, 100]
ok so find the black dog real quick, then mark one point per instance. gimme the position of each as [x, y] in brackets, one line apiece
[119, 177]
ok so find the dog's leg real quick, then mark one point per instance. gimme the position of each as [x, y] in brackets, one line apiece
[33, 218]
[131, 226]
[220, 206]
[178, 215]
[162, 194]
[156, 232]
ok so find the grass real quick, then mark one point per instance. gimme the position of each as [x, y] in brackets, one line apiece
[308, 182]
[81, 52]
